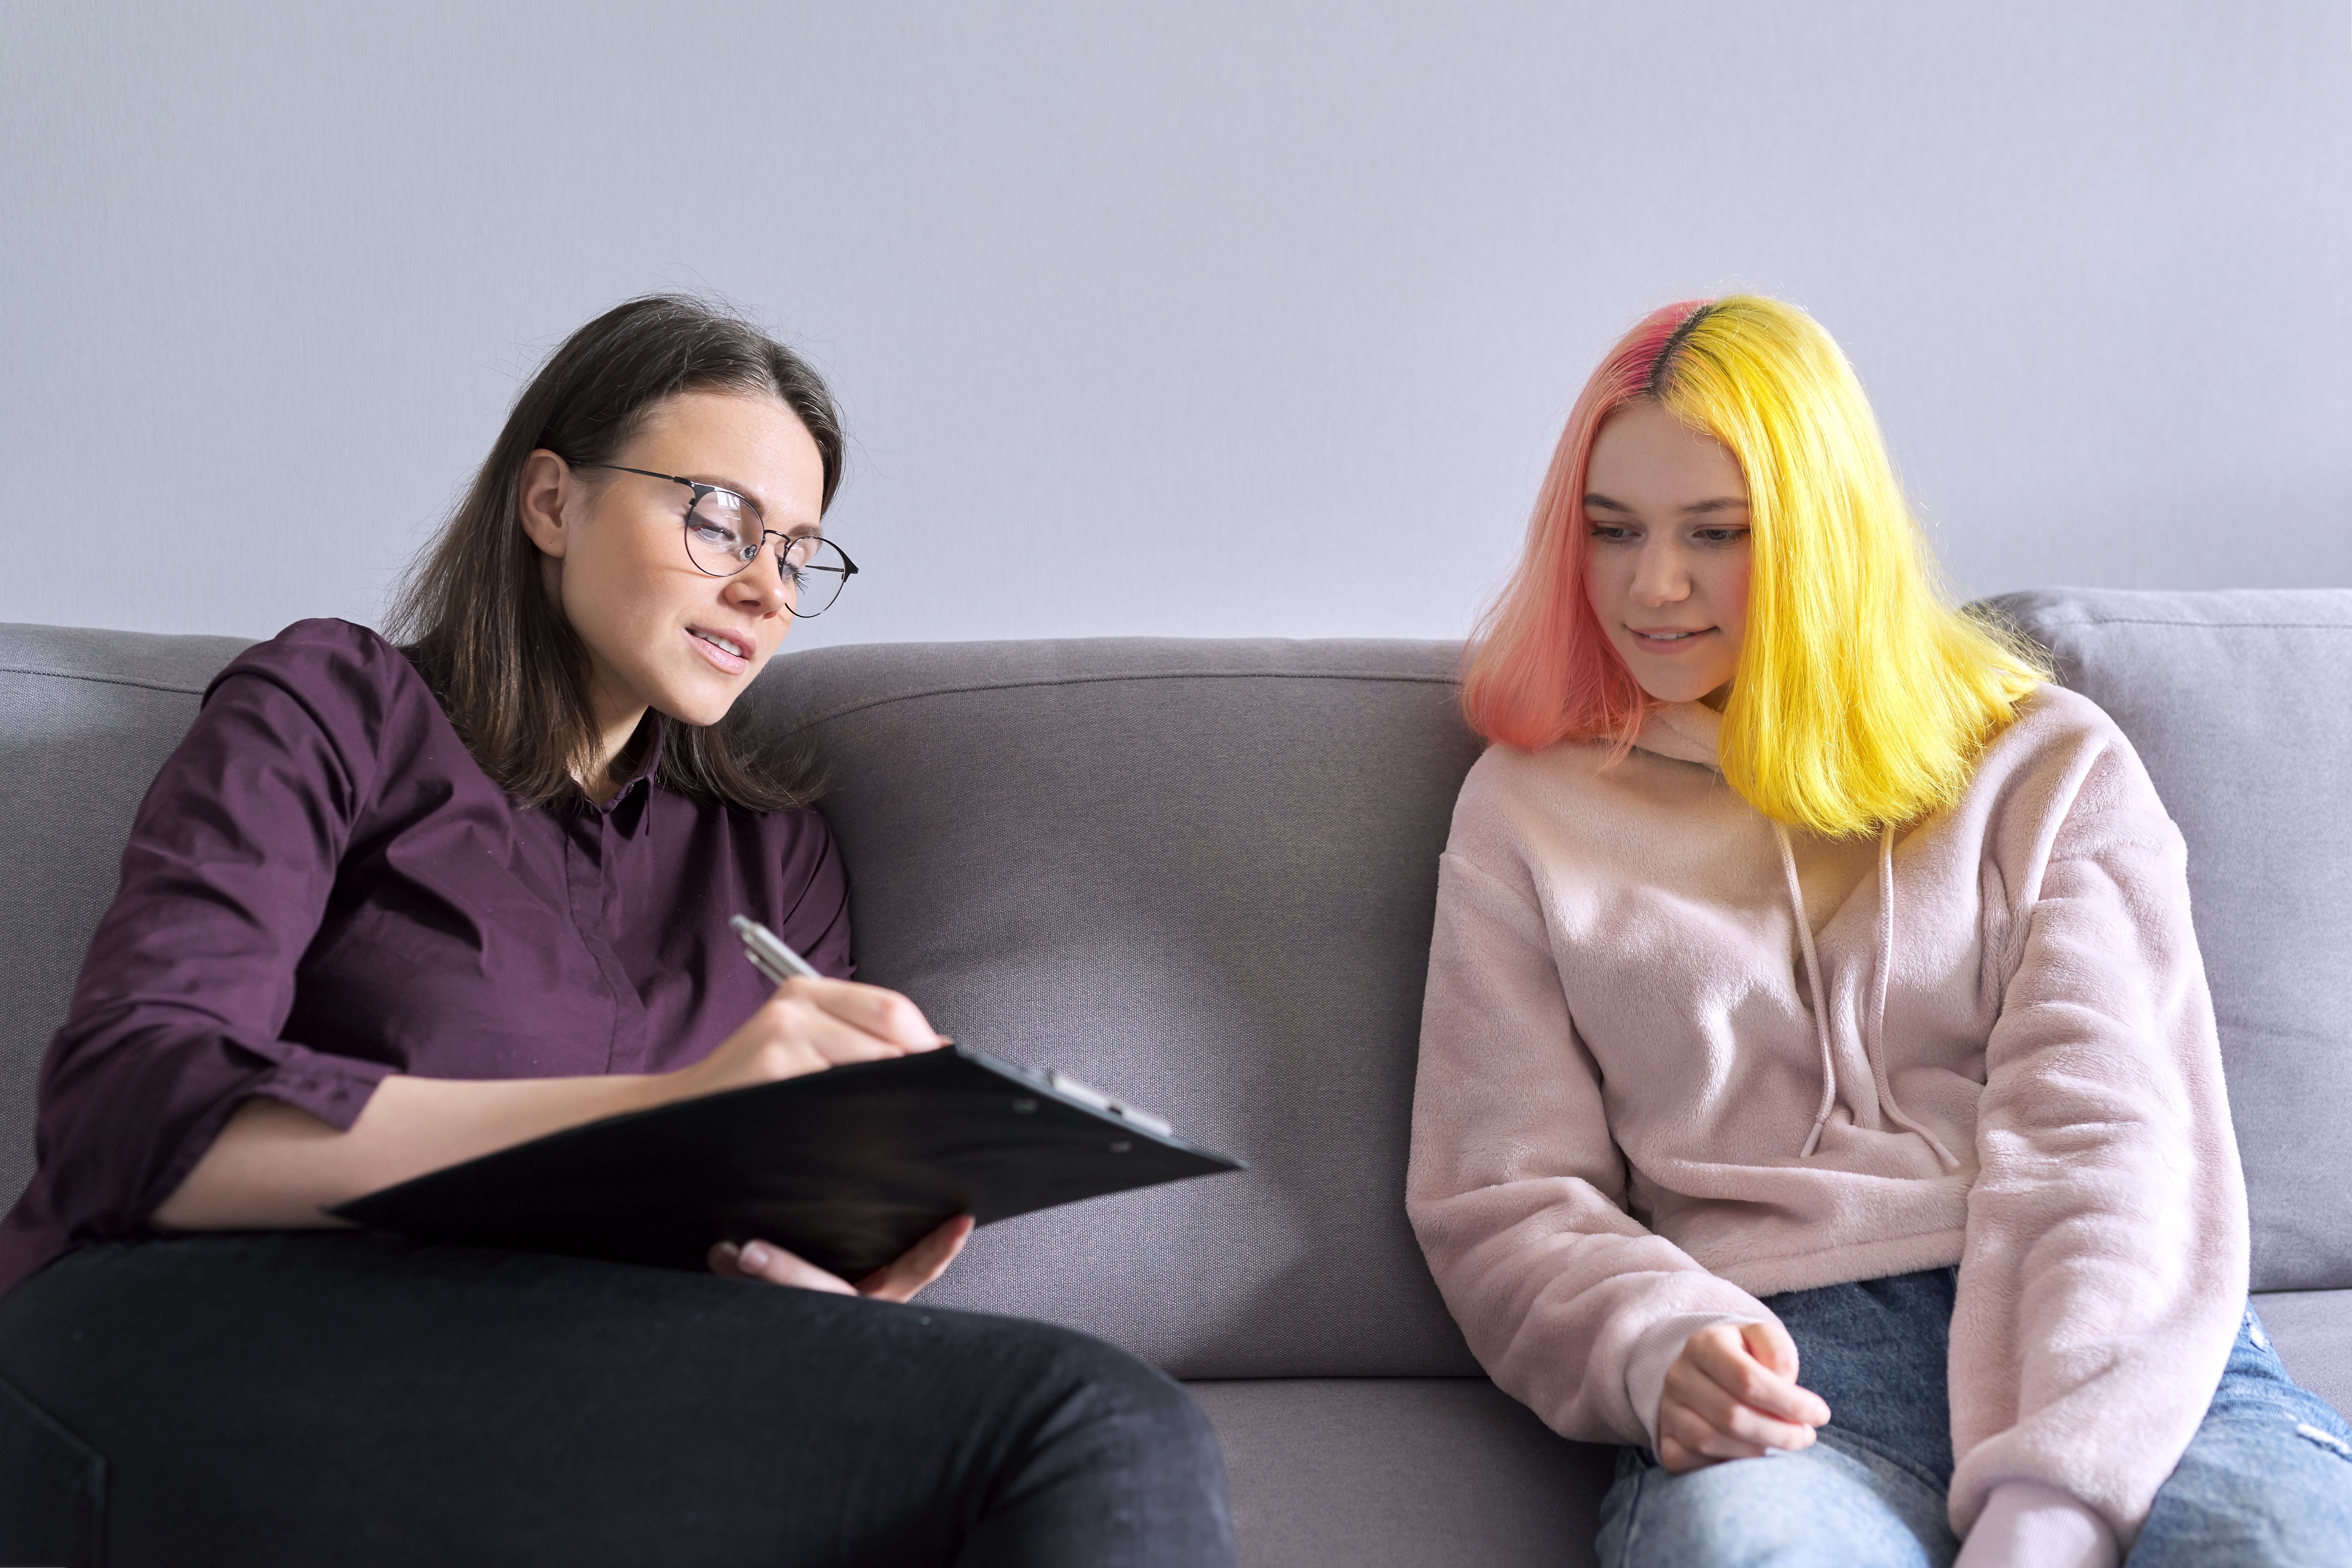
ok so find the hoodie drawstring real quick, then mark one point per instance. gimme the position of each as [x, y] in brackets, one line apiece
[1873, 1040]
[1877, 1057]
[1813, 979]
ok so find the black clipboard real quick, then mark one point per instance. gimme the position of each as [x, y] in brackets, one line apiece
[846, 1167]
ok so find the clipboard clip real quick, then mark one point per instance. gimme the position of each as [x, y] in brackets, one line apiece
[1087, 1094]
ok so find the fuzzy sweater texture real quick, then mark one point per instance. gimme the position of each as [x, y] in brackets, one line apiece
[1632, 1117]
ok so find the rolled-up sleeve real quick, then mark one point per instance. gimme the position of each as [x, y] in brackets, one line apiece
[178, 1012]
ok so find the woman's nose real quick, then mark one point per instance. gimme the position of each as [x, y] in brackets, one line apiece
[762, 582]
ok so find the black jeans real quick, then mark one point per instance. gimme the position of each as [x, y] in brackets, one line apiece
[348, 1398]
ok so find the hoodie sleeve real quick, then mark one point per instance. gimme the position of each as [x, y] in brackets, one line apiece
[2106, 1252]
[1516, 1189]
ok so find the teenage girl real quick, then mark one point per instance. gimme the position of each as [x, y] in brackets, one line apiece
[1819, 1092]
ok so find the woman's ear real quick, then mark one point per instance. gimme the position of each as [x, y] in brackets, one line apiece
[540, 494]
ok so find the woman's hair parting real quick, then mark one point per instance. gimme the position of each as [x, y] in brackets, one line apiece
[1861, 697]
[507, 667]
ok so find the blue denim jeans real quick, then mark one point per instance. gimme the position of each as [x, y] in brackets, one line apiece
[2267, 1479]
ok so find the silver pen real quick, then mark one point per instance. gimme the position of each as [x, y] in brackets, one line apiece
[769, 954]
[780, 964]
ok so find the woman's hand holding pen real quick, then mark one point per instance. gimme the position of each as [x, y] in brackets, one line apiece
[1733, 1393]
[807, 1026]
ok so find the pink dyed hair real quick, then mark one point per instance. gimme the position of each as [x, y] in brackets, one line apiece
[1540, 668]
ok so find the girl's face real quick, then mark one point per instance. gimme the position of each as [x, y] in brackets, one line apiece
[660, 632]
[1667, 572]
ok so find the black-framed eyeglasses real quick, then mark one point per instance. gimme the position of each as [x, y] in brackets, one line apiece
[725, 533]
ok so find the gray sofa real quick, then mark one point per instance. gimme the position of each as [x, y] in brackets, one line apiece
[1202, 873]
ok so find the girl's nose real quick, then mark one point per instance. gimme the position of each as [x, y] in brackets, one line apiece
[1659, 577]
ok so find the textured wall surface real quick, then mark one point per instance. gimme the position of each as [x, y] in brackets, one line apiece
[1211, 319]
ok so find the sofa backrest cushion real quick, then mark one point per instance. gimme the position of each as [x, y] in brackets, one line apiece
[2241, 705]
[1199, 875]
[86, 718]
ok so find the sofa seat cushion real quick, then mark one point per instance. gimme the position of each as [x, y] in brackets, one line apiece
[1374, 1471]
[2313, 1331]
[1404, 1471]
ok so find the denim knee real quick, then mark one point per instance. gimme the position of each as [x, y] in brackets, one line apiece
[1841, 1503]
[2266, 1481]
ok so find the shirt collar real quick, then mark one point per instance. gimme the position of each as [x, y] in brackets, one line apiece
[627, 807]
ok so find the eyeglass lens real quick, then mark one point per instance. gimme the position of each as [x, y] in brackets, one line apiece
[723, 536]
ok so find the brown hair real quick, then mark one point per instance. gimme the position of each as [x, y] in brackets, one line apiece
[505, 662]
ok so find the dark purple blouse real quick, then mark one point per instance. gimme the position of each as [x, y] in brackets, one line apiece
[323, 888]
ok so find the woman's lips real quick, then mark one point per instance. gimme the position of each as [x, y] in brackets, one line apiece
[719, 648]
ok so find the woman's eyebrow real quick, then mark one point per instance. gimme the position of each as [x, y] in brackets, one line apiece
[1605, 504]
[732, 486]
[791, 531]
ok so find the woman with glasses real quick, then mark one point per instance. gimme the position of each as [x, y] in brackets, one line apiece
[1819, 1092]
[394, 904]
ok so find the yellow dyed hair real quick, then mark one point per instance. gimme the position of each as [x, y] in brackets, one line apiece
[1861, 696]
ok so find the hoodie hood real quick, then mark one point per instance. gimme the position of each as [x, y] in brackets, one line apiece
[1683, 731]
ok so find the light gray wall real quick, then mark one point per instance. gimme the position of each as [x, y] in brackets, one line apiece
[1197, 318]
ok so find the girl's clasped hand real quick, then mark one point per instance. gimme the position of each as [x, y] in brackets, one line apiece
[1733, 1394]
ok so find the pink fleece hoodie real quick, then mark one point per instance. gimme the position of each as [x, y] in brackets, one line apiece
[1650, 1092]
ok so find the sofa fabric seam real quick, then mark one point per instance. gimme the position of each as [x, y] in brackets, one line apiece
[863, 704]
[2199, 625]
[101, 679]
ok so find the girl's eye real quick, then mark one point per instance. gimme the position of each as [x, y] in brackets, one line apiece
[1611, 530]
[1722, 535]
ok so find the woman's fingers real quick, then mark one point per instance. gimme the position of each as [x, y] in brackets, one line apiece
[919, 1263]
[896, 1282]
[762, 1260]
[804, 1037]
[810, 1025]
[806, 1026]
[885, 1015]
